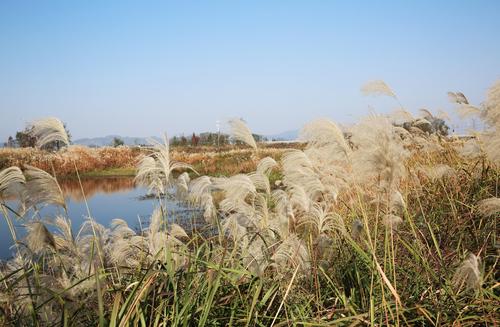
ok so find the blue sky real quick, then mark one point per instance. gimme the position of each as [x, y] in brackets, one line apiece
[140, 68]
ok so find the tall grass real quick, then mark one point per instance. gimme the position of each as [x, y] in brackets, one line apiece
[387, 227]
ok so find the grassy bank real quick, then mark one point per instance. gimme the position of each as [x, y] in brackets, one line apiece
[110, 172]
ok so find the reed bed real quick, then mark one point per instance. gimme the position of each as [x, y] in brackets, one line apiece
[115, 161]
[388, 227]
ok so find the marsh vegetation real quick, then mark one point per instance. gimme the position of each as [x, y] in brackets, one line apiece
[388, 226]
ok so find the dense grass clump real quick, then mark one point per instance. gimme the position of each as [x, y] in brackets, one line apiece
[389, 226]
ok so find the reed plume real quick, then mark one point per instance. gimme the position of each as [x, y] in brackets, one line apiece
[47, 131]
[10, 180]
[468, 274]
[241, 132]
[377, 87]
[41, 188]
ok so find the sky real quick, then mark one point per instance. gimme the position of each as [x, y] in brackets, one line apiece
[141, 68]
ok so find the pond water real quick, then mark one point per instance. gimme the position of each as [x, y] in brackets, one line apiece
[108, 198]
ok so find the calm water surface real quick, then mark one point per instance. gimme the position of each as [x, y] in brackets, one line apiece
[108, 198]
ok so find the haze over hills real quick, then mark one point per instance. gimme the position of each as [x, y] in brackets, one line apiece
[129, 140]
[108, 140]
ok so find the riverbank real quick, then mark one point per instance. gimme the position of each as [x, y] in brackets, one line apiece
[121, 161]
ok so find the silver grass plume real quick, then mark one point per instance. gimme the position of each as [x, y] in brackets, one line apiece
[401, 114]
[377, 87]
[266, 165]
[491, 116]
[241, 132]
[471, 149]
[489, 207]
[426, 113]
[323, 133]
[155, 170]
[397, 203]
[64, 238]
[182, 185]
[158, 239]
[292, 252]
[299, 172]
[379, 154]
[325, 221]
[236, 188]
[10, 179]
[282, 203]
[120, 229]
[200, 192]
[467, 110]
[491, 112]
[124, 247]
[48, 130]
[443, 115]
[41, 188]
[260, 181]
[468, 274]
[392, 221]
[39, 237]
[438, 171]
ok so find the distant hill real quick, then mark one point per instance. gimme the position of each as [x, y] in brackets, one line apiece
[292, 135]
[108, 140]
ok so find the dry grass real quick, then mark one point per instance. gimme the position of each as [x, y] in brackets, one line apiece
[206, 160]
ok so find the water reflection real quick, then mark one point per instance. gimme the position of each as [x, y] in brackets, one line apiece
[107, 198]
[72, 188]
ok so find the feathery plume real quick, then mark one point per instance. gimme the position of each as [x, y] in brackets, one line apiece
[325, 133]
[438, 171]
[155, 170]
[48, 130]
[10, 179]
[392, 221]
[379, 152]
[467, 110]
[468, 274]
[266, 165]
[471, 149]
[41, 187]
[426, 113]
[489, 207]
[241, 132]
[325, 221]
[458, 98]
[39, 237]
[292, 252]
[377, 87]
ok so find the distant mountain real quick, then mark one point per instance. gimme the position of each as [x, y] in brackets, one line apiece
[108, 140]
[292, 135]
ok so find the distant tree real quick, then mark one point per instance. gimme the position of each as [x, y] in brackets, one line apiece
[117, 142]
[259, 138]
[183, 141]
[431, 125]
[24, 138]
[439, 126]
[194, 140]
[174, 141]
[10, 142]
